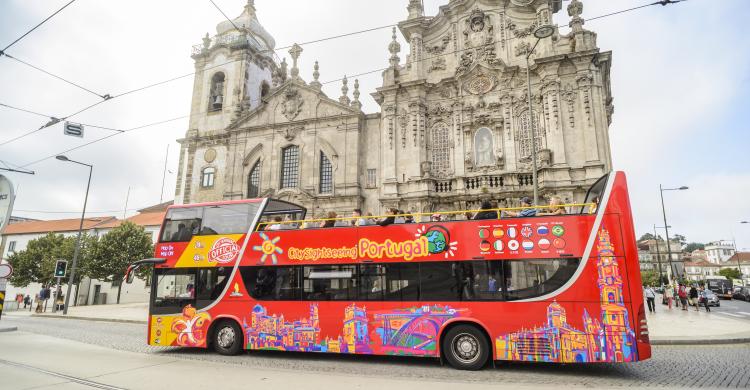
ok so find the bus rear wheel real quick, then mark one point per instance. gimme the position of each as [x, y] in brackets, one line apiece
[466, 347]
[228, 338]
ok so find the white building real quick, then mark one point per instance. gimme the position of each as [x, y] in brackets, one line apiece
[718, 252]
[16, 237]
[454, 125]
[740, 260]
[698, 270]
[652, 256]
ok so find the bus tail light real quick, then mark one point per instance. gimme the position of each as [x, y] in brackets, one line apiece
[642, 326]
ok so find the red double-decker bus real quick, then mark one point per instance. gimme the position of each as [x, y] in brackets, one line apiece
[555, 288]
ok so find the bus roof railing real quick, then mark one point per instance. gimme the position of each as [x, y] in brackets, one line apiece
[591, 206]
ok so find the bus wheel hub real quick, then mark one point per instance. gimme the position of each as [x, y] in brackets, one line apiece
[226, 337]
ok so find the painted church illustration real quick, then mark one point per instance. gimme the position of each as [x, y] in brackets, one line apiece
[607, 339]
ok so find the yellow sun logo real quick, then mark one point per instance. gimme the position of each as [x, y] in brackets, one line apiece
[268, 248]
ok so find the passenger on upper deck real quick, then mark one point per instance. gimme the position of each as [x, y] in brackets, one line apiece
[390, 217]
[359, 220]
[487, 212]
[277, 223]
[526, 212]
[330, 221]
[554, 208]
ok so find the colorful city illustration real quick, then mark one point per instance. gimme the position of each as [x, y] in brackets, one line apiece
[411, 331]
[608, 339]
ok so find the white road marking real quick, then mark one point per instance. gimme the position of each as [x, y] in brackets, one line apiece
[743, 312]
[730, 314]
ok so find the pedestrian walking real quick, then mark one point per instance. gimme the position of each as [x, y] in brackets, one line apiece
[669, 295]
[26, 301]
[693, 297]
[704, 299]
[650, 295]
[683, 295]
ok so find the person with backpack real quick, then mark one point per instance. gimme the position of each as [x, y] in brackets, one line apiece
[650, 295]
[693, 297]
[683, 295]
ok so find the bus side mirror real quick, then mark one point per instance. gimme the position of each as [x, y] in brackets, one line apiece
[130, 273]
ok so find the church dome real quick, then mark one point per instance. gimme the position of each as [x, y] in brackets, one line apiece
[248, 20]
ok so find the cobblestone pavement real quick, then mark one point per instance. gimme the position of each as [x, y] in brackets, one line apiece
[670, 366]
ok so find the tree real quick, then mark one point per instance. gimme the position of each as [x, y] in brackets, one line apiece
[693, 246]
[647, 236]
[650, 278]
[730, 273]
[36, 263]
[680, 238]
[117, 249]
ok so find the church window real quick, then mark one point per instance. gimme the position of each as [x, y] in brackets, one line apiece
[441, 160]
[207, 177]
[484, 154]
[372, 178]
[253, 181]
[326, 175]
[264, 89]
[216, 99]
[523, 137]
[290, 167]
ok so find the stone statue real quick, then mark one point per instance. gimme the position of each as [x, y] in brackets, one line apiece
[483, 148]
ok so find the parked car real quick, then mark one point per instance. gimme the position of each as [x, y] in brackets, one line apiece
[742, 293]
[713, 299]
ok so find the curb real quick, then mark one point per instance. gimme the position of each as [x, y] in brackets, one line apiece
[737, 340]
[91, 319]
[9, 329]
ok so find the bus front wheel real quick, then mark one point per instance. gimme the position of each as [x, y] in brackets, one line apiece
[466, 347]
[227, 338]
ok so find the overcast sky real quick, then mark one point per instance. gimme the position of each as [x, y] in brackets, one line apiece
[680, 80]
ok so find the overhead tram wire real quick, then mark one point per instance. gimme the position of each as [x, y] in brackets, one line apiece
[663, 2]
[54, 120]
[35, 27]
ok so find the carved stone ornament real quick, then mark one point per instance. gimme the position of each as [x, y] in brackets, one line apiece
[481, 84]
[522, 3]
[440, 47]
[210, 155]
[476, 20]
[292, 132]
[292, 104]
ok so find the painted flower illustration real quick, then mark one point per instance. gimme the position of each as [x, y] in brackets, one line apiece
[192, 328]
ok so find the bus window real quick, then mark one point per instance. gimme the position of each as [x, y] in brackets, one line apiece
[181, 224]
[209, 284]
[440, 281]
[402, 282]
[272, 283]
[371, 282]
[330, 283]
[532, 278]
[594, 195]
[228, 218]
[480, 280]
[174, 289]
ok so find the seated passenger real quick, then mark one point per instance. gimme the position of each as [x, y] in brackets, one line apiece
[276, 225]
[330, 220]
[358, 219]
[594, 206]
[487, 212]
[554, 208]
[399, 217]
[526, 212]
[390, 217]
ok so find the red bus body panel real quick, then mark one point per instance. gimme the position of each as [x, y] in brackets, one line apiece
[593, 318]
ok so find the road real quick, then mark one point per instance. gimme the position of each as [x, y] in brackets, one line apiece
[671, 366]
[734, 309]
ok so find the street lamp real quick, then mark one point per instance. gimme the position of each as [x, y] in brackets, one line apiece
[666, 226]
[543, 31]
[739, 265]
[658, 254]
[80, 231]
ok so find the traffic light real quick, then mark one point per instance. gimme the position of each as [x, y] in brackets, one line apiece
[60, 268]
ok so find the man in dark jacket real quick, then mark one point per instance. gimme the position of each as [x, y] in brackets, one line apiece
[390, 217]
[487, 212]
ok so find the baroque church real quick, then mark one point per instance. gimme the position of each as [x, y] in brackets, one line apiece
[454, 126]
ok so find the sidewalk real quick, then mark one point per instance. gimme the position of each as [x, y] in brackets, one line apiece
[677, 326]
[129, 312]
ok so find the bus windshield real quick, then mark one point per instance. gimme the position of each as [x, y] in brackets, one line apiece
[181, 224]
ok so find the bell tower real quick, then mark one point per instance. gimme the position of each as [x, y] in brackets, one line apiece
[235, 69]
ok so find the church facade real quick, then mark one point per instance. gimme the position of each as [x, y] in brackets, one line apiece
[454, 126]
